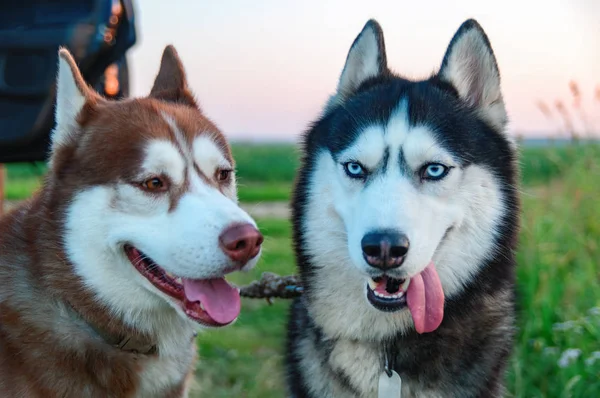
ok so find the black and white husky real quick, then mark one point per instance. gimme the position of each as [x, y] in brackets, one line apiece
[405, 220]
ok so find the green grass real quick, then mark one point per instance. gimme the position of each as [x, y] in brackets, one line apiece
[542, 164]
[253, 192]
[558, 277]
[23, 179]
[265, 172]
[266, 162]
[559, 284]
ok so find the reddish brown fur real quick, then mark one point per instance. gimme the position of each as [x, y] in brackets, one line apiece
[47, 347]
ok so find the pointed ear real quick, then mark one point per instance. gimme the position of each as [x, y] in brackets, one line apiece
[171, 83]
[366, 59]
[470, 67]
[72, 93]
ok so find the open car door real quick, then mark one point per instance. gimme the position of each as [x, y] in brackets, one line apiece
[97, 32]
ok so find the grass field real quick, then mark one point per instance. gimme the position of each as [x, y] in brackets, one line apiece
[557, 352]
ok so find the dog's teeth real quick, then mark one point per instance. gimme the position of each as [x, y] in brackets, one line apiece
[404, 286]
[372, 284]
[202, 306]
[389, 296]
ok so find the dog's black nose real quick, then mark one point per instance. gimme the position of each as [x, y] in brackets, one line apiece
[384, 249]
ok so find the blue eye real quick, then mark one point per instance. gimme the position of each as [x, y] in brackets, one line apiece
[434, 171]
[355, 170]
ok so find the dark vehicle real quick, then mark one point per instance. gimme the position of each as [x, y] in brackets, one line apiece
[97, 32]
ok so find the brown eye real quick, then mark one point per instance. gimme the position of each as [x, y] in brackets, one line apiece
[223, 175]
[154, 184]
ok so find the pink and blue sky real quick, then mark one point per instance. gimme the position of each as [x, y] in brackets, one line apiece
[263, 70]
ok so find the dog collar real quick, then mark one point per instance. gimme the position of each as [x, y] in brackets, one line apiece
[127, 343]
[132, 344]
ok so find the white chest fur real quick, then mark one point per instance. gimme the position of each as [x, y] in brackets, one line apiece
[171, 366]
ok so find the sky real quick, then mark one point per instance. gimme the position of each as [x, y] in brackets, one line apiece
[262, 70]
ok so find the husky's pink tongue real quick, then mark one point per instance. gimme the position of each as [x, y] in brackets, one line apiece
[425, 299]
[220, 300]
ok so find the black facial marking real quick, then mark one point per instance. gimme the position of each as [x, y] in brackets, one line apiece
[381, 167]
[429, 103]
[404, 167]
[385, 160]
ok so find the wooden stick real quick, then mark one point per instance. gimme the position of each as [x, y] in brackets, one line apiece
[2, 181]
[273, 286]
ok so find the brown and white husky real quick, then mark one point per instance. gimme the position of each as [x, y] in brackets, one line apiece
[110, 269]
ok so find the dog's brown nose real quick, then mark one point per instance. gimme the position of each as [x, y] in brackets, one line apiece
[241, 242]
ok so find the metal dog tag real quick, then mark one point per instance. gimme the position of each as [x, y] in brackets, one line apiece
[390, 386]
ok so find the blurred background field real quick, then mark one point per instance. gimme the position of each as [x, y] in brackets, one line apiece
[557, 353]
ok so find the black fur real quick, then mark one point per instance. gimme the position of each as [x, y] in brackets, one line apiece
[467, 355]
